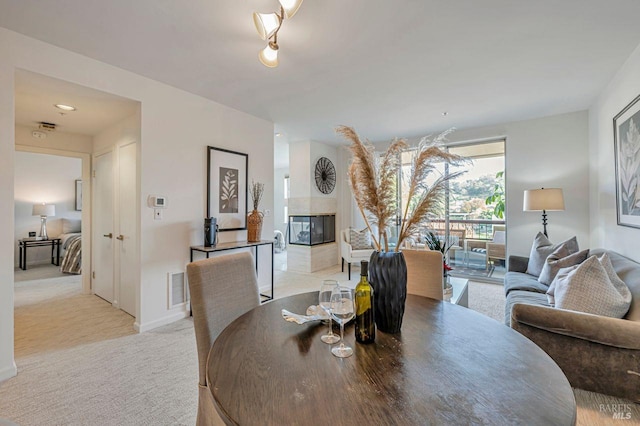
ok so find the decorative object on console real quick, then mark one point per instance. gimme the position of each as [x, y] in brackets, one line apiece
[543, 199]
[254, 221]
[373, 183]
[268, 25]
[227, 188]
[43, 210]
[626, 138]
[210, 231]
[325, 174]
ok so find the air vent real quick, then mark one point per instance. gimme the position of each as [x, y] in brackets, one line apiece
[178, 292]
[49, 127]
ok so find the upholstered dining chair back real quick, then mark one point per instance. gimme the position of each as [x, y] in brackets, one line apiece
[222, 288]
[424, 273]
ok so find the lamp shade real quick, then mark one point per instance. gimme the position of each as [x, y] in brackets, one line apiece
[266, 24]
[290, 7]
[269, 55]
[543, 199]
[44, 210]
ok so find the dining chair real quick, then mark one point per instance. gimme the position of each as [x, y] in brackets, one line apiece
[222, 288]
[424, 273]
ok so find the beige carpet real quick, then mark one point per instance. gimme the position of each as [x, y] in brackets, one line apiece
[79, 362]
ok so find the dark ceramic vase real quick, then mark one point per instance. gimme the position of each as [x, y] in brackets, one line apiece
[388, 277]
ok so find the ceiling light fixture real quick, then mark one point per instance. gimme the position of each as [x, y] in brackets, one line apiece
[268, 25]
[65, 107]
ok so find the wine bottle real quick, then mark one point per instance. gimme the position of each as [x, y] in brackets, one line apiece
[365, 325]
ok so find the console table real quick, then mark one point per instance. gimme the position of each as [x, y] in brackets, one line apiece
[24, 244]
[238, 245]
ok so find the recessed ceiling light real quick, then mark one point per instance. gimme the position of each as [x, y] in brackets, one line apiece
[445, 113]
[65, 107]
[278, 134]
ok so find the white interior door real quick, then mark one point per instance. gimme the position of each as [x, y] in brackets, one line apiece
[103, 227]
[127, 263]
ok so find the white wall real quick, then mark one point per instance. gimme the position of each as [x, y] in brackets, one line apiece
[43, 178]
[279, 220]
[7, 155]
[176, 129]
[546, 152]
[550, 152]
[606, 233]
[306, 198]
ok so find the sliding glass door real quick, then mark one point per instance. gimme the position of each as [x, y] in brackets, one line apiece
[472, 221]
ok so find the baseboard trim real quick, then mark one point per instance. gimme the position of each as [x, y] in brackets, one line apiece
[141, 328]
[8, 372]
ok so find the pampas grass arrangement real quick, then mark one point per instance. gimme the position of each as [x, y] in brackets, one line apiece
[373, 180]
[257, 190]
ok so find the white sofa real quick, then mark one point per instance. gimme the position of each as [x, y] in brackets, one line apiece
[348, 254]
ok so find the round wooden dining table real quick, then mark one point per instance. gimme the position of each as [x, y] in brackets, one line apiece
[449, 365]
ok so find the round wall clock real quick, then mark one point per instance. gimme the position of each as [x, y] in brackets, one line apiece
[325, 175]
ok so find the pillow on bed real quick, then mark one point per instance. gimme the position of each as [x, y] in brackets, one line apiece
[70, 226]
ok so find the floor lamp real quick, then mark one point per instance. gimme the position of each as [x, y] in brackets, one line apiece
[44, 210]
[543, 199]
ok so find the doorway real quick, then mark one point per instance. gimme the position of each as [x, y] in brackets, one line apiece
[69, 316]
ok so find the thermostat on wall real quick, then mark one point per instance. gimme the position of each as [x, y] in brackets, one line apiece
[159, 201]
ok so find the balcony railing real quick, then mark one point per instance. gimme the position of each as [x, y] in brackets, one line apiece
[480, 229]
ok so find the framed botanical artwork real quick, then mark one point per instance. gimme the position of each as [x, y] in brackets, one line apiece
[227, 188]
[78, 195]
[626, 138]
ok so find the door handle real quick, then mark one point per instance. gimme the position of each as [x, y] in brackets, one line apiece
[109, 235]
[120, 237]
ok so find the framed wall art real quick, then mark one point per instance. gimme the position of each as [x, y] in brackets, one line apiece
[227, 188]
[626, 138]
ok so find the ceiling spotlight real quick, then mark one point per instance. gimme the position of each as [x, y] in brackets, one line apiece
[278, 134]
[269, 55]
[290, 7]
[65, 107]
[268, 25]
[445, 113]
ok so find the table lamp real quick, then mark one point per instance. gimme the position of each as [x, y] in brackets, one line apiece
[542, 200]
[43, 210]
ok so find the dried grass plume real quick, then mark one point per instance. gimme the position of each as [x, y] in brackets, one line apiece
[373, 181]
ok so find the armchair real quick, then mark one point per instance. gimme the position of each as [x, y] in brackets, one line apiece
[496, 249]
[349, 254]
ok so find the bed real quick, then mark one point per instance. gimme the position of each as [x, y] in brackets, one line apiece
[71, 247]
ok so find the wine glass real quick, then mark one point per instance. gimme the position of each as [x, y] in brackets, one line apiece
[324, 299]
[343, 311]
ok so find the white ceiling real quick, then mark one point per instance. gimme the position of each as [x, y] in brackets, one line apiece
[36, 95]
[388, 68]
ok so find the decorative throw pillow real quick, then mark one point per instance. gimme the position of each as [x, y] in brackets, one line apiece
[542, 248]
[560, 259]
[587, 288]
[360, 240]
[71, 225]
